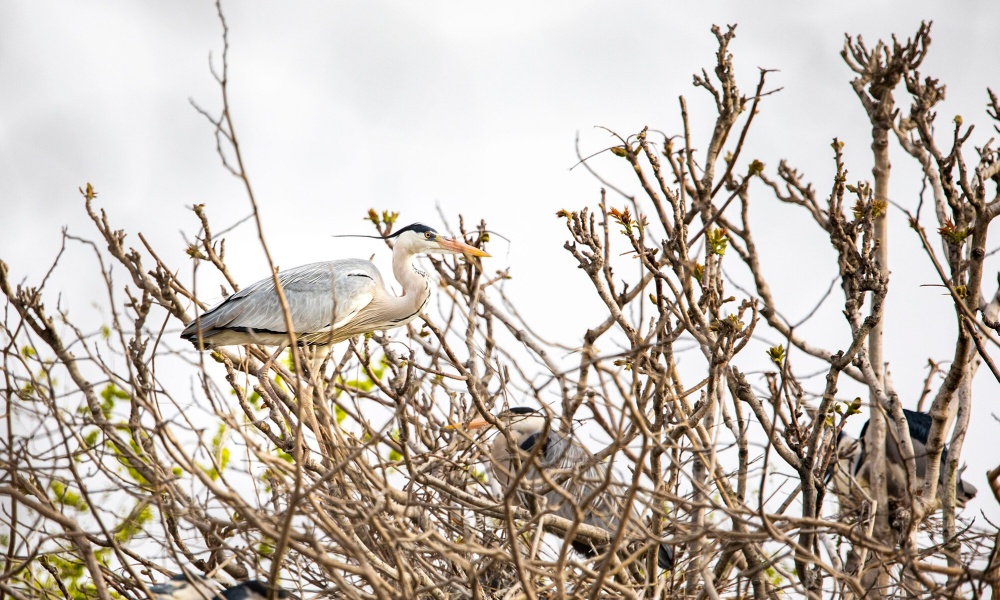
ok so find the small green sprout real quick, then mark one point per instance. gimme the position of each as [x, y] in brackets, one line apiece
[776, 354]
[717, 241]
[953, 234]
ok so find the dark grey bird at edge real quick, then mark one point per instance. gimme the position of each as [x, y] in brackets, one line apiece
[852, 465]
[559, 453]
[329, 301]
[919, 429]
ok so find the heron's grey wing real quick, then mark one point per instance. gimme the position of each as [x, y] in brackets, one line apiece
[919, 424]
[599, 492]
[320, 296]
[568, 466]
[575, 469]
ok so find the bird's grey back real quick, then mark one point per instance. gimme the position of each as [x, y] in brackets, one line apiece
[583, 482]
[319, 295]
[190, 586]
[595, 487]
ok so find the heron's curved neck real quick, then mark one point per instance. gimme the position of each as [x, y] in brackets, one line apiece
[416, 284]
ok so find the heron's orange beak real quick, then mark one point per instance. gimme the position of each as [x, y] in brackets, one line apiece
[479, 423]
[457, 246]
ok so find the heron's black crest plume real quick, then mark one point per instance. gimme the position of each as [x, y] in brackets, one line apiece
[415, 227]
[524, 410]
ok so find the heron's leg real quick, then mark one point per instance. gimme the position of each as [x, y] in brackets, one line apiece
[313, 360]
[266, 367]
[316, 356]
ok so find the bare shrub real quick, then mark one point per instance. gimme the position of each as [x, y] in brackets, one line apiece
[129, 457]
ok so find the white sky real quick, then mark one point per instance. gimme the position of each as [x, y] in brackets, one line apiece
[472, 105]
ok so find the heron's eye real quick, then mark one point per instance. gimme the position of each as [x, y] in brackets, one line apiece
[428, 235]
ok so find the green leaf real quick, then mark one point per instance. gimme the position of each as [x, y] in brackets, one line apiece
[109, 395]
[124, 460]
[288, 360]
[111, 391]
[89, 193]
[67, 497]
[776, 354]
[90, 440]
[132, 525]
[717, 241]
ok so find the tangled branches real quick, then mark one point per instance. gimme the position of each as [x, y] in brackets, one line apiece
[128, 457]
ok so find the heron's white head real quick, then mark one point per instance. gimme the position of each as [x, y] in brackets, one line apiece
[421, 239]
[522, 422]
[522, 429]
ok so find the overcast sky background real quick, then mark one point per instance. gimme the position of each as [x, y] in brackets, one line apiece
[472, 106]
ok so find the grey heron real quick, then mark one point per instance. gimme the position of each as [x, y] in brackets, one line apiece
[919, 430]
[853, 459]
[560, 454]
[329, 301]
[191, 586]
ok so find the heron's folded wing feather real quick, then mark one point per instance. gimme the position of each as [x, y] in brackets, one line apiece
[320, 295]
